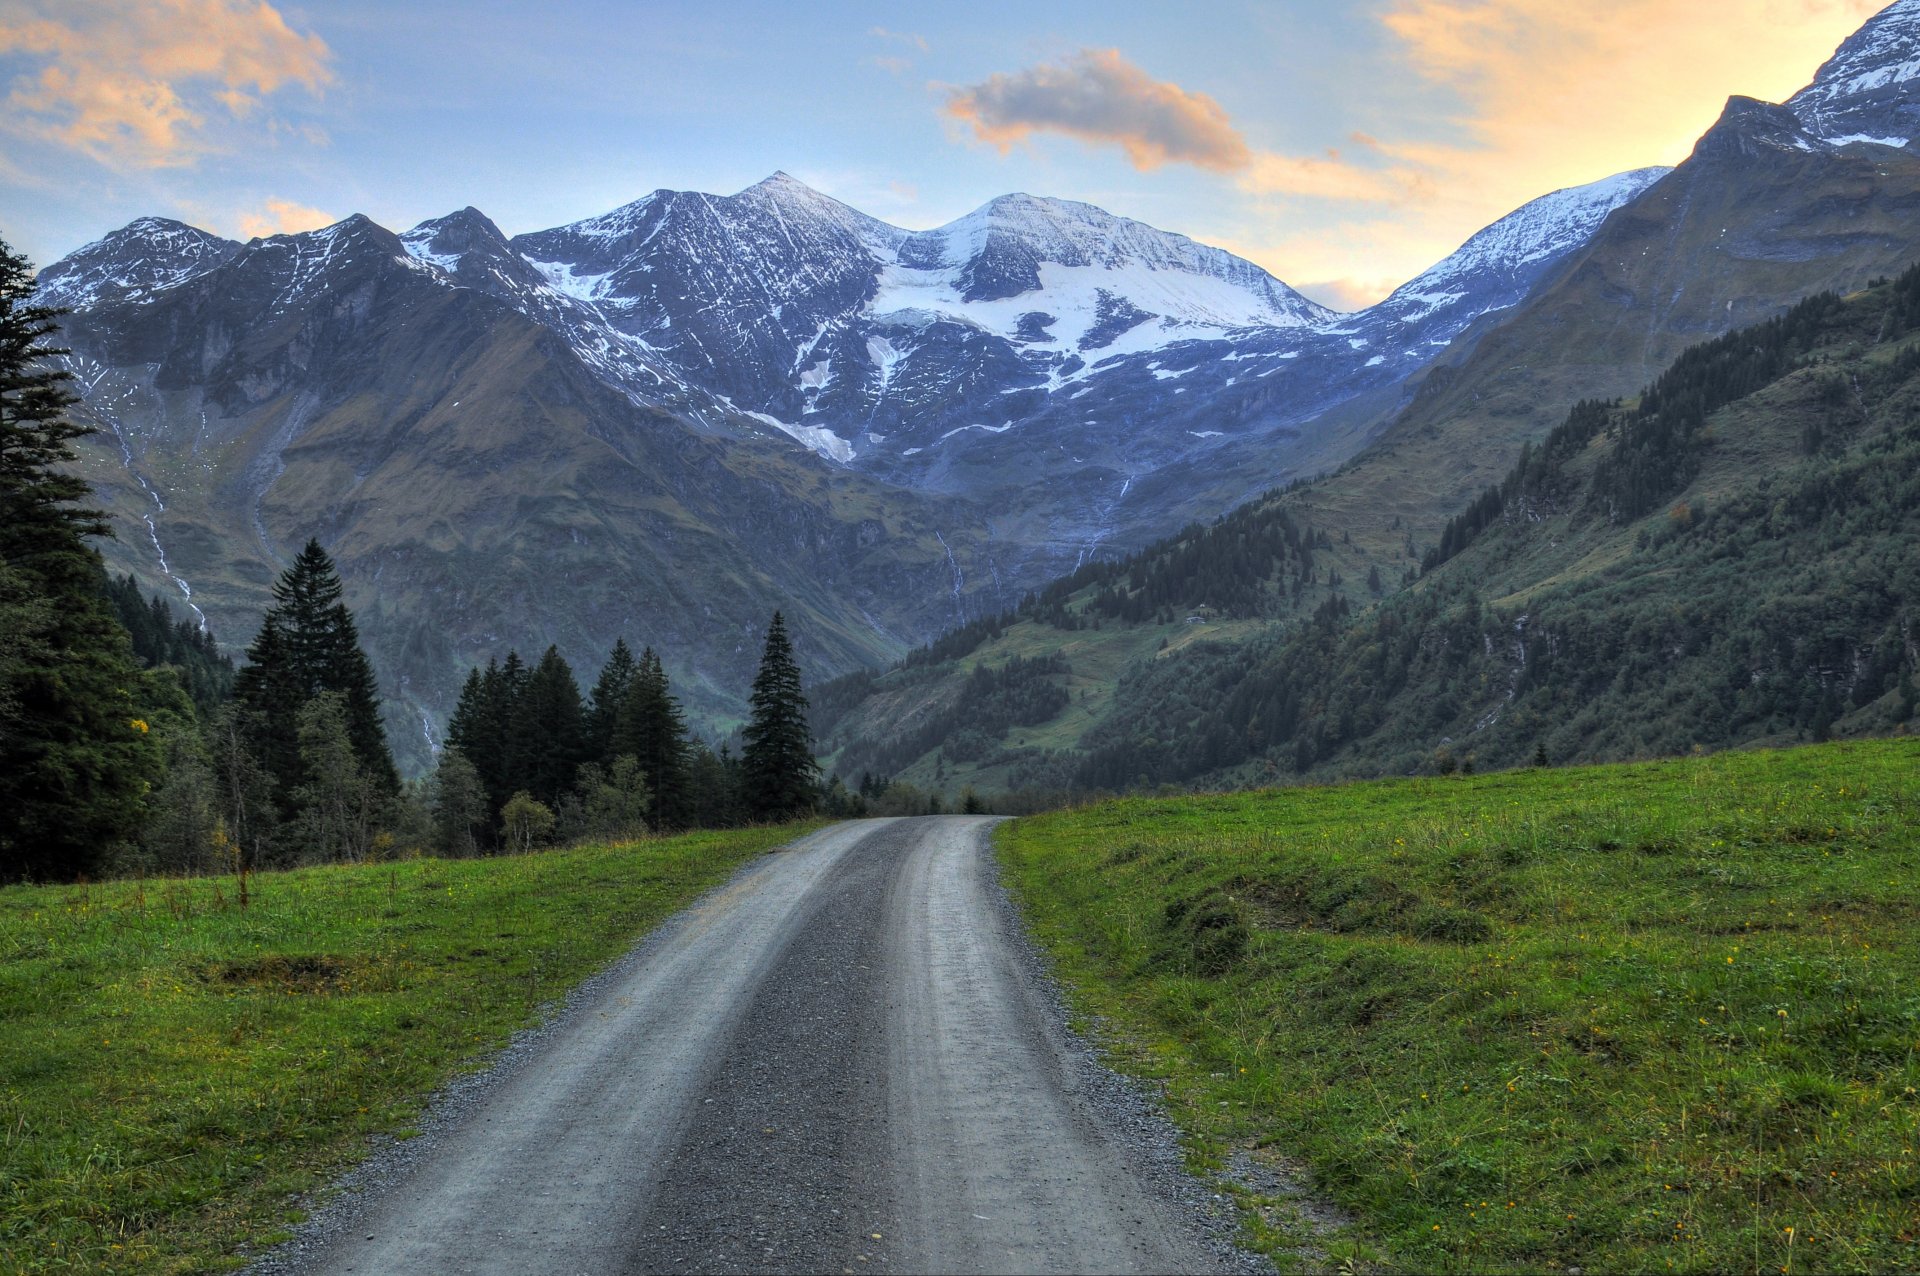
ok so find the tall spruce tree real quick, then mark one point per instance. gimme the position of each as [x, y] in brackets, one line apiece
[547, 737]
[651, 729]
[308, 644]
[778, 775]
[616, 676]
[76, 759]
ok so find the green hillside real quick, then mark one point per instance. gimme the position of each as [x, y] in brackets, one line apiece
[1653, 1017]
[1735, 558]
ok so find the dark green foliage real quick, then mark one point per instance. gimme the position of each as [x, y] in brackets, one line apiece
[1244, 565]
[526, 731]
[76, 757]
[650, 728]
[308, 645]
[461, 817]
[779, 777]
[713, 781]
[603, 708]
[989, 703]
[957, 643]
[546, 738]
[1776, 615]
[1658, 445]
[161, 640]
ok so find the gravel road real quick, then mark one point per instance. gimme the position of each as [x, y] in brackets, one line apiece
[846, 1059]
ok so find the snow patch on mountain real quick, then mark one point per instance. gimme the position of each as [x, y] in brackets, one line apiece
[1865, 91]
[817, 437]
[1498, 266]
[141, 258]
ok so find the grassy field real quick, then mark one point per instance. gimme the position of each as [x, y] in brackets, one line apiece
[175, 1065]
[1658, 1017]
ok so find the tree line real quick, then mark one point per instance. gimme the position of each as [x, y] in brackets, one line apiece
[129, 743]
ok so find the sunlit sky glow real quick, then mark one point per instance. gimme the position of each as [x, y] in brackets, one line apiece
[1344, 148]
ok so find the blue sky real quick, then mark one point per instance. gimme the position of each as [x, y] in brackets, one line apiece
[1342, 147]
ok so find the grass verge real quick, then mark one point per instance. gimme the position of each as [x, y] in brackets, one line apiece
[175, 1067]
[1657, 1017]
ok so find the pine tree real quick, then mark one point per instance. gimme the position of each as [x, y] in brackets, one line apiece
[308, 645]
[478, 730]
[76, 760]
[651, 728]
[779, 777]
[616, 676]
[547, 736]
[713, 786]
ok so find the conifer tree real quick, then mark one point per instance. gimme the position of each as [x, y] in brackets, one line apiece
[547, 735]
[308, 645]
[616, 676]
[651, 729]
[478, 731]
[779, 777]
[713, 785]
[76, 760]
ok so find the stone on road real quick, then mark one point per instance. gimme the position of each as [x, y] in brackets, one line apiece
[840, 1061]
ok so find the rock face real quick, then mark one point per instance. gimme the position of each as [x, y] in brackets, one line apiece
[1867, 91]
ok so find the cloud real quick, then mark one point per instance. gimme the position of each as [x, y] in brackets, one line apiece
[1580, 91]
[282, 217]
[1098, 96]
[133, 84]
[1531, 96]
[900, 37]
[1345, 294]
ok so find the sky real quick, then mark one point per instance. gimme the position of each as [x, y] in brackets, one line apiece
[1343, 147]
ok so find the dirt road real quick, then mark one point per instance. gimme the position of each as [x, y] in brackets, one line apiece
[841, 1061]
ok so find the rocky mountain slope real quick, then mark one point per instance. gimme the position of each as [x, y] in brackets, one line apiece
[666, 420]
[1766, 211]
[480, 485]
[710, 403]
[1732, 559]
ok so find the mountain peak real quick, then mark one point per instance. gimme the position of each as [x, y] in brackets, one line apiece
[780, 180]
[142, 257]
[1500, 264]
[1747, 127]
[1869, 90]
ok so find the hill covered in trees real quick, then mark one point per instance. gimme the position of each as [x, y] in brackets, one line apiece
[1732, 557]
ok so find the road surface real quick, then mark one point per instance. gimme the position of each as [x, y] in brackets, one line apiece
[840, 1061]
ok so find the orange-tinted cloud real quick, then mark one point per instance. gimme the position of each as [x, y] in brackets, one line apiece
[1098, 96]
[133, 84]
[282, 217]
[1548, 95]
[1576, 91]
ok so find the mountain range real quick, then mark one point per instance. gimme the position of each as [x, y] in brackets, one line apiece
[669, 419]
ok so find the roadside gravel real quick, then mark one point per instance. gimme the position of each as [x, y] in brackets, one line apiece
[849, 1058]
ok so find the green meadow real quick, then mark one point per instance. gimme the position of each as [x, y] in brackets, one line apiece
[1641, 1018]
[179, 1063]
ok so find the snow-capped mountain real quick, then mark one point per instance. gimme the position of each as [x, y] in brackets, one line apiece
[1499, 266]
[1867, 91]
[132, 263]
[1036, 352]
[851, 333]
